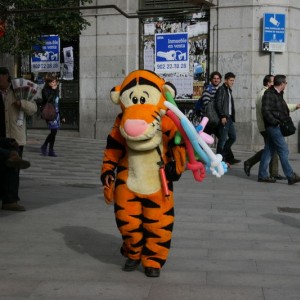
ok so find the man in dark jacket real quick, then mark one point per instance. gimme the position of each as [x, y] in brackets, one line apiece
[224, 105]
[274, 110]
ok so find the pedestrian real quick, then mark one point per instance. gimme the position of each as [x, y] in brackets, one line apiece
[10, 108]
[224, 104]
[50, 94]
[208, 96]
[250, 162]
[274, 110]
[10, 163]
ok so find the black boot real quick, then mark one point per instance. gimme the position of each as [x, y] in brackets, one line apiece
[152, 272]
[131, 265]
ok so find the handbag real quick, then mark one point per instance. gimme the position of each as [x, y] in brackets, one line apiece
[287, 126]
[48, 112]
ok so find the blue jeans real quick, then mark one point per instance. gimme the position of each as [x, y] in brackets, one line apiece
[275, 142]
[226, 138]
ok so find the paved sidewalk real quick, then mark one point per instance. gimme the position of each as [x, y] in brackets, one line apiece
[231, 239]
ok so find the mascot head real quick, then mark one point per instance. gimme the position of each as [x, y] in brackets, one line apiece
[141, 97]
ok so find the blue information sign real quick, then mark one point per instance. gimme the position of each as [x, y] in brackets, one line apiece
[46, 58]
[171, 53]
[274, 32]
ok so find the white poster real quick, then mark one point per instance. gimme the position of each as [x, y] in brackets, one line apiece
[68, 65]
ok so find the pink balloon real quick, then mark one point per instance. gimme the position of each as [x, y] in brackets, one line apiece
[195, 166]
[206, 137]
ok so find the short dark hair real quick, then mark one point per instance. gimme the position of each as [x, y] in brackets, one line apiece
[279, 79]
[213, 74]
[49, 77]
[229, 75]
[267, 79]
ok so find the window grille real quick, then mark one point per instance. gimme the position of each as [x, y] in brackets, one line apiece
[147, 4]
[163, 4]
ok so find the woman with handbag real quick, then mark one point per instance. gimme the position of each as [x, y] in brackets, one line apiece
[50, 95]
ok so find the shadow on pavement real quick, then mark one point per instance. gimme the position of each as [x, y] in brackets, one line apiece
[84, 240]
[286, 220]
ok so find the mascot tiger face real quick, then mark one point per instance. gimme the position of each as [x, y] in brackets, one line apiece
[141, 97]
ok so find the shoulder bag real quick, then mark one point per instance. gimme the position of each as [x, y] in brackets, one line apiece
[211, 114]
[287, 126]
[48, 112]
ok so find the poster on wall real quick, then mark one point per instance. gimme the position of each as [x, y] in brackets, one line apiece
[168, 43]
[68, 65]
[46, 58]
[171, 53]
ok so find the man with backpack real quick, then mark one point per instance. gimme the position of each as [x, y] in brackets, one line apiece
[208, 96]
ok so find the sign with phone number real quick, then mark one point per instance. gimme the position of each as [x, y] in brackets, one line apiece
[46, 58]
[166, 67]
[45, 66]
[171, 53]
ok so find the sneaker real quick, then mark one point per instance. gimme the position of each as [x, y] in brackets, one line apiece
[52, 153]
[14, 206]
[247, 168]
[131, 265]
[44, 150]
[294, 179]
[267, 180]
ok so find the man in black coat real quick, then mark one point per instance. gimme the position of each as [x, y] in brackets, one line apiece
[224, 105]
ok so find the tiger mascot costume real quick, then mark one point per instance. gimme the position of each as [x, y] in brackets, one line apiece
[140, 142]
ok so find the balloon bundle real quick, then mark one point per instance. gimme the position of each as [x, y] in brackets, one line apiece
[196, 141]
[24, 89]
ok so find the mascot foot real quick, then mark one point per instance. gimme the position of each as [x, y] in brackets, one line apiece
[152, 272]
[131, 265]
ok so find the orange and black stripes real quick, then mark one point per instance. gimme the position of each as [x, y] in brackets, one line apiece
[140, 139]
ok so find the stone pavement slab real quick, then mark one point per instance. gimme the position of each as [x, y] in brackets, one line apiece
[230, 239]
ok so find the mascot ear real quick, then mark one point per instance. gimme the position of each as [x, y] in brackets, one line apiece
[169, 87]
[115, 94]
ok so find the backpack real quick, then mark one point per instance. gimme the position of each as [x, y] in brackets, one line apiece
[209, 110]
[199, 106]
[211, 113]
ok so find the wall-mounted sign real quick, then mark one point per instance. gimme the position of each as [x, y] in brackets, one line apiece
[274, 32]
[166, 35]
[171, 53]
[46, 58]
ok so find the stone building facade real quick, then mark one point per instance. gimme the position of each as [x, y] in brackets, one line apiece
[111, 47]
